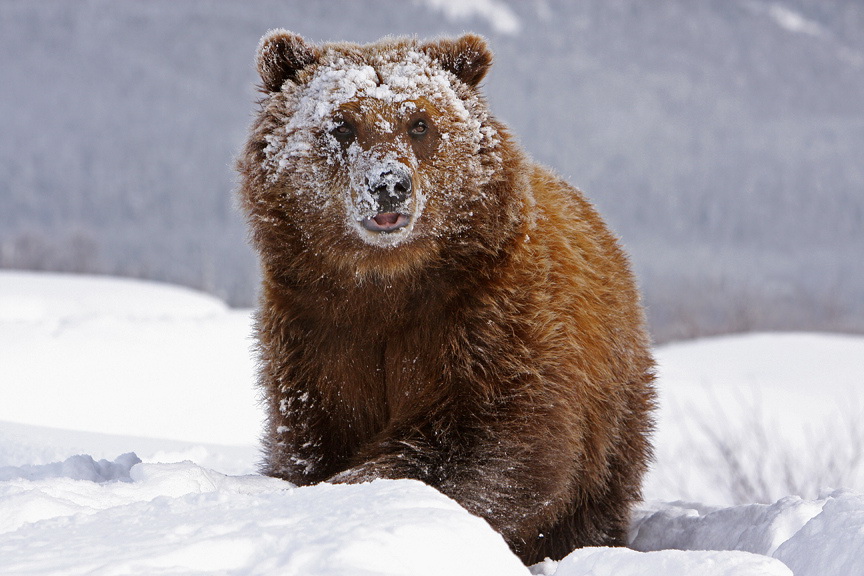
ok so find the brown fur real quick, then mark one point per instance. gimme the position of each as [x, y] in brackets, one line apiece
[498, 353]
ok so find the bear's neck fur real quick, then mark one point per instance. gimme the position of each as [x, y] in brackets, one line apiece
[374, 331]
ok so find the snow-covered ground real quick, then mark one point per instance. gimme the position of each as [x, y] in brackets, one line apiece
[128, 425]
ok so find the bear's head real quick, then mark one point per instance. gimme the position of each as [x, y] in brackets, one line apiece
[372, 157]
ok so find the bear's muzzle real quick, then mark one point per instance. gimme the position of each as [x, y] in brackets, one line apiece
[390, 192]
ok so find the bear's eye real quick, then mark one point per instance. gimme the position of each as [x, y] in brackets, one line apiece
[343, 131]
[419, 128]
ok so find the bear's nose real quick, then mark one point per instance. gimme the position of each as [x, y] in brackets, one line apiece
[390, 190]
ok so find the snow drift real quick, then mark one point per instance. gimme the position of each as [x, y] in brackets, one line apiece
[95, 374]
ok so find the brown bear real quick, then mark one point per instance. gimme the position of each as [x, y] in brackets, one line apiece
[435, 305]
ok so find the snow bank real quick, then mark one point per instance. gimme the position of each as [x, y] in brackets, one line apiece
[125, 357]
[183, 519]
[624, 562]
[831, 543]
[814, 538]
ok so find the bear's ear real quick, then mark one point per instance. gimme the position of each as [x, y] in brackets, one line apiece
[281, 55]
[468, 57]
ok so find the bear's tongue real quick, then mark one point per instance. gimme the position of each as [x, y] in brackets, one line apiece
[386, 219]
[386, 222]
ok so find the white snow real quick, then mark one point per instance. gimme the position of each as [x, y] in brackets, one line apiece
[128, 419]
[118, 356]
[625, 562]
[789, 404]
[184, 519]
[812, 538]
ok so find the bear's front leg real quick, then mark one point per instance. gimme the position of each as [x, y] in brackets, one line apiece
[300, 444]
[493, 467]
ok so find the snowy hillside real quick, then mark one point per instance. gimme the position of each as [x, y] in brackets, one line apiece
[128, 421]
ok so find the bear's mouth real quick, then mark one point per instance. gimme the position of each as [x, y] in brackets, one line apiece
[386, 222]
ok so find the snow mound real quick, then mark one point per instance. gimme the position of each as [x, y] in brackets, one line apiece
[831, 543]
[822, 537]
[122, 356]
[183, 519]
[624, 562]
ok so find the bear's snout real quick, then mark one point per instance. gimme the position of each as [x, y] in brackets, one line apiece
[390, 193]
[391, 190]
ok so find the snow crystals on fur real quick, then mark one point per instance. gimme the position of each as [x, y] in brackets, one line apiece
[402, 77]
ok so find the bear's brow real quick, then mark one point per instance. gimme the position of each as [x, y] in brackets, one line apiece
[356, 106]
[423, 104]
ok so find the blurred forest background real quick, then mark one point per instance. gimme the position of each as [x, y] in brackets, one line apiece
[723, 140]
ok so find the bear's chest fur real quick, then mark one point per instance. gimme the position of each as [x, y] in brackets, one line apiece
[366, 355]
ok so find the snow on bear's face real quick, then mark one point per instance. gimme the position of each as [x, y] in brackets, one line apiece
[389, 143]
